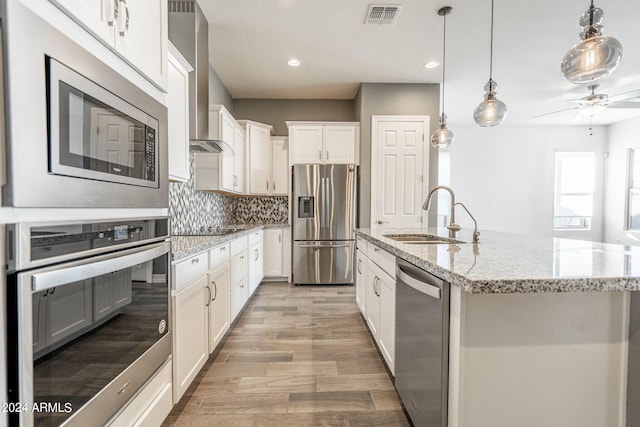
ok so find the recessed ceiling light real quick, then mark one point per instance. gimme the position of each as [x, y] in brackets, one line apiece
[293, 62]
[431, 64]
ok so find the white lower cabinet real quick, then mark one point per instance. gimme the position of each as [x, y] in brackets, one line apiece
[190, 339]
[239, 282]
[239, 295]
[218, 307]
[110, 292]
[361, 281]
[387, 331]
[256, 260]
[69, 310]
[273, 245]
[379, 292]
[373, 300]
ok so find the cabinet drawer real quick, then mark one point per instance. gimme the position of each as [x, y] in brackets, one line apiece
[239, 267]
[218, 255]
[238, 245]
[362, 245]
[255, 237]
[383, 258]
[189, 269]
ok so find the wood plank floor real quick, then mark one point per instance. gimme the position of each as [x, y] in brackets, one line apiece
[297, 356]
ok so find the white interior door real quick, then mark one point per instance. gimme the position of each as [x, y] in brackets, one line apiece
[399, 163]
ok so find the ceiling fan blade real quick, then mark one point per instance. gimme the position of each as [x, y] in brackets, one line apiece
[625, 95]
[622, 104]
[554, 112]
[577, 117]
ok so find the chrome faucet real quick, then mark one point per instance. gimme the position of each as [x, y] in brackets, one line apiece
[453, 227]
[476, 233]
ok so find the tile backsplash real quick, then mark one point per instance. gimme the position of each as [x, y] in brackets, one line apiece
[261, 210]
[190, 209]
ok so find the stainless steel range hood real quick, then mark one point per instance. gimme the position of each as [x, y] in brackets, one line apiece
[189, 33]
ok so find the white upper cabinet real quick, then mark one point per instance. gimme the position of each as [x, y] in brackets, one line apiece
[260, 158]
[280, 163]
[238, 160]
[137, 30]
[178, 114]
[222, 172]
[324, 142]
[305, 143]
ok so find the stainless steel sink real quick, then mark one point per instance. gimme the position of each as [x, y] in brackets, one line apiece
[420, 239]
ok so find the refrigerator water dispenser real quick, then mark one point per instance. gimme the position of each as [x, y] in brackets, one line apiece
[305, 207]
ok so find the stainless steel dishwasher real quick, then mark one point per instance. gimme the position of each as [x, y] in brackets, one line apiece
[422, 344]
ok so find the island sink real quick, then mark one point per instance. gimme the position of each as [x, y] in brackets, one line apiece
[420, 239]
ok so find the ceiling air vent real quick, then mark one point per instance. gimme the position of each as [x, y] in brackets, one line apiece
[382, 14]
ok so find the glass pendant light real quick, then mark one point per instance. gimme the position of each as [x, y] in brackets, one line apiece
[596, 56]
[491, 111]
[443, 137]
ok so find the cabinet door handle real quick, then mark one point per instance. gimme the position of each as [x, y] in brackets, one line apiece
[320, 155]
[274, 185]
[257, 254]
[242, 257]
[360, 266]
[114, 10]
[208, 299]
[123, 31]
[215, 287]
[327, 155]
[267, 184]
[279, 238]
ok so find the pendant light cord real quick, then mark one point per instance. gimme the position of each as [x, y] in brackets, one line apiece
[444, 55]
[491, 52]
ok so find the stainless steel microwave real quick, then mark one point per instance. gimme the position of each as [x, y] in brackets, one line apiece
[78, 133]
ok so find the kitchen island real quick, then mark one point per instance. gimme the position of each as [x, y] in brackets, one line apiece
[538, 327]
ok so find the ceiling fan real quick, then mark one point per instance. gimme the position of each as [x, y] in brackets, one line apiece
[595, 103]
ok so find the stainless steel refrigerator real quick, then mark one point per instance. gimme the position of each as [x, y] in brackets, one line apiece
[324, 215]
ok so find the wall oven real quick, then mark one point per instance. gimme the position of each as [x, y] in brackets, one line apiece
[79, 134]
[88, 318]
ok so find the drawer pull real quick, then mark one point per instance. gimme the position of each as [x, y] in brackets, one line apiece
[195, 260]
[209, 299]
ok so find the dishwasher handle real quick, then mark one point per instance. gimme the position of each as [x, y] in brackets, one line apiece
[418, 285]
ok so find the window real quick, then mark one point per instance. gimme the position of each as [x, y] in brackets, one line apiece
[575, 179]
[633, 190]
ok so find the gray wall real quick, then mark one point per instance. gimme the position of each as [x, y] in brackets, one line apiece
[276, 112]
[218, 93]
[393, 99]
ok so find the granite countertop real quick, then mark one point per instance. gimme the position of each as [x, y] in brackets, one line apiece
[185, 246]
[515, 263]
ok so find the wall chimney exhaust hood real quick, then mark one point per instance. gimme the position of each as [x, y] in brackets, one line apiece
[189, 33]
[205, 145]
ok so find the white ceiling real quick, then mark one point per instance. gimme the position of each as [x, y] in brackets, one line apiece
[251, 40]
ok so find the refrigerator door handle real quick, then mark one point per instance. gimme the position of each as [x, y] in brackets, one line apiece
[344, 245]
[323, 192]
[326, 203]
